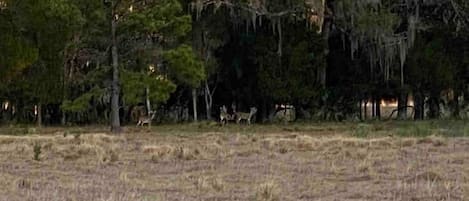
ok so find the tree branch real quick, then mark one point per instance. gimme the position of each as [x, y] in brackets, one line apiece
[464, 19]
[258, 12]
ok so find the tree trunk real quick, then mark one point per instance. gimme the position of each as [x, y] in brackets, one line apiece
[39, 115]
[63, 120]
[264, 111]
[378, 107]
[325, 34]
[115, 121]
[208, 101]
[419, 106]
[209, 112]
[194, 103]
[147, 91]
[64, 95]
[434, 106]
[402, 106]
[360, 104]
[19, 111]
[402, 100]
[95, 113]
[2, 110]
[455, 104]
[365, 112]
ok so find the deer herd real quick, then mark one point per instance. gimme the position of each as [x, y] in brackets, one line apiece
[224, 116]
[236, 116]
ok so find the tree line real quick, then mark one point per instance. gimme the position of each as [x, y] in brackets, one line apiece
[86, 62]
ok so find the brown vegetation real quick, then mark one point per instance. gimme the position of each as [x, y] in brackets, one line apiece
[232, 164]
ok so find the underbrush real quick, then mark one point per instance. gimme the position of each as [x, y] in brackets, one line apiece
[418, 129]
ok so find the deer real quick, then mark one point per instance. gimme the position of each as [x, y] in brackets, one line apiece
[225, 116]
[146, 119]
[246, 116]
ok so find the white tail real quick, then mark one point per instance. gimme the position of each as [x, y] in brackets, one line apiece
[146, 119]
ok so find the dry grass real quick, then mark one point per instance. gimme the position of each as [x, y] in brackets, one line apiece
[304, 163]
[267, 191]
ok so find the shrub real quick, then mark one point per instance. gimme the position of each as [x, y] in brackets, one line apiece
[267, 192]
[37, 151]
[416, 130]
[361, 131]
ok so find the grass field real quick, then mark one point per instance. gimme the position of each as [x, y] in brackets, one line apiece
[414, 161]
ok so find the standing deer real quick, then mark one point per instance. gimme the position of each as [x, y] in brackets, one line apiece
[146, 119]
[225, 116]
[246, 116]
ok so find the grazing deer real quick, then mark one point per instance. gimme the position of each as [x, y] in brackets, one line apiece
[225, 116]
[146, 119]
[246, 116]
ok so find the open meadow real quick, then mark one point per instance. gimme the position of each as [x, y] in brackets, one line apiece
[414, 161]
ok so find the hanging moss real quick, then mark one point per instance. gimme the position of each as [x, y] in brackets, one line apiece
[371, 26]
[252, 11]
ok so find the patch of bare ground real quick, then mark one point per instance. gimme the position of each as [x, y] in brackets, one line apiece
[266, 166]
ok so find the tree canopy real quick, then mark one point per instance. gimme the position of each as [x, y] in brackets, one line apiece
[91, 61]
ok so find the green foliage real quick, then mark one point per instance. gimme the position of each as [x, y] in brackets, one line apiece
[210, 33]
[290, 78]
[366, 18]
[168, 25]
[373, 23]
[82, 103]
[43, 28]
[134, 86]
[56, 53]
[15, 55]
[430, 69]
[184, 66]
[165, 18]
[15, 52]
[48, 24]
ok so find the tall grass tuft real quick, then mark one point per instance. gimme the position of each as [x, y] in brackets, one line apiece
[37, 151]
[267, 192]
